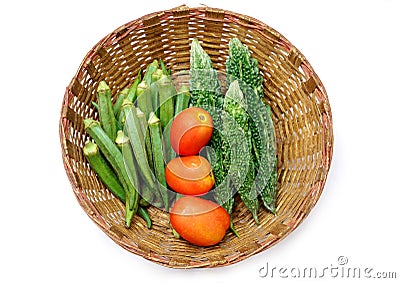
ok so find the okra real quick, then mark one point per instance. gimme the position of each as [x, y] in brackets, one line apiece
[147, 194]
[118, 102]
[103, 170]
[155, 97]
[166, 90]
[151, 68]
[164, 68]
[114, 156]
[119, 125]
[122, 141]
[144, 100]
[156, 75]
[175, 233]
[132, 93]
[142, 119]
[158, 157]
[145, 131]
[134, 132]
[143, 202]
[142, 211]
[181, 103]
[145, 191]
[169, 152]
[182, 99]
[95, 105]
[142, 86]
[106, 112]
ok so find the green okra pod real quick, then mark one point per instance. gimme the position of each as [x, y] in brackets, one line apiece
[182, 99]
[106, 112]
[103, 170]
[166, 90]
[158, 157]
[151, 68]
[167, 93]
[122, 141]
[156, 75]
[118, 102]
[132, 92]
[95, 105]
[134, 132]
[144, 98]
[164, 68]
[142, 211]
[146, 134]
[114, 156]
[155, 97]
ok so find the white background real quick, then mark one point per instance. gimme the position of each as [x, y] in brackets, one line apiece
[45, 236]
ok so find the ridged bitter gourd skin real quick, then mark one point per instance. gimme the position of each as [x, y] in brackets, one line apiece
[205, 92]
[235, 106]
[243, 67]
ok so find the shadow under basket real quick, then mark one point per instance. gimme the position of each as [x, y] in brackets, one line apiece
[299, 105]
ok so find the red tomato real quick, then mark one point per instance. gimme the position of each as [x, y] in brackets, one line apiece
[189, 175]
[191, 130]
[199, 221]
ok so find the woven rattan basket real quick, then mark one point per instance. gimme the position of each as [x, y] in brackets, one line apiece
[300, 108]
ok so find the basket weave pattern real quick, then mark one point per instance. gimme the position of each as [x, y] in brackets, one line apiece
[300, 109]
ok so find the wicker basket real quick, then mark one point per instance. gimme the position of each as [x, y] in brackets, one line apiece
[301, 113]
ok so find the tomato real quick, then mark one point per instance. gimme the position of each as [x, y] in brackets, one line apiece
[189, 175]
[191, 130]
[199, 221]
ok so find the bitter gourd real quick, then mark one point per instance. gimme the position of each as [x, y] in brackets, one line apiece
[243, 67]
[205, 92]
[235, 106]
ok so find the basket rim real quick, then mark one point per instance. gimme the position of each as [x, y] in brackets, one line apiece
[325, 113]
